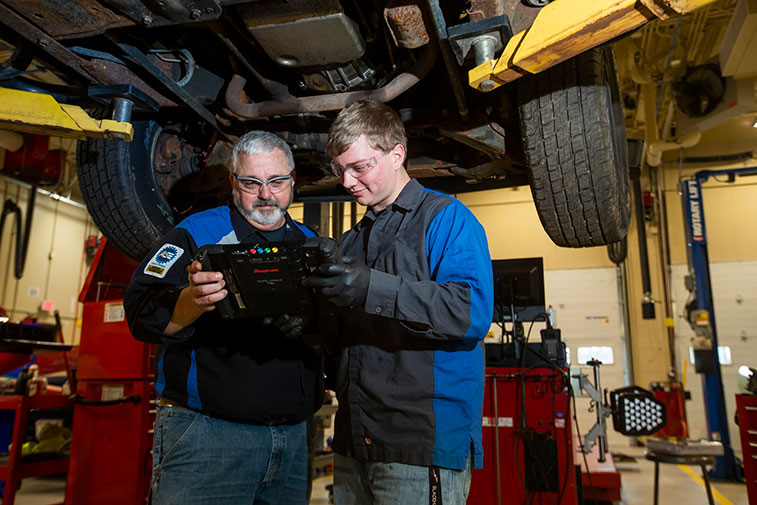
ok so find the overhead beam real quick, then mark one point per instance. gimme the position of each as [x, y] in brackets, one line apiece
[565, 28]
[40, 113]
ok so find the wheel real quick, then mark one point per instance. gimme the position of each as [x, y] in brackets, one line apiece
[136, 191]
[575, 146]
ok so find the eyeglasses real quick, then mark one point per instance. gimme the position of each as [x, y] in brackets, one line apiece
[254, 185]
[357, 169]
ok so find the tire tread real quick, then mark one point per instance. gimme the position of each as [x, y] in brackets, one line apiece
[580, 195]
[108, 188]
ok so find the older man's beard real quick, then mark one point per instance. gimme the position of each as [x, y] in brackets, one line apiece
[262, 217]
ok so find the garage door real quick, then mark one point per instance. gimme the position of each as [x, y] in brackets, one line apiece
[590, 315]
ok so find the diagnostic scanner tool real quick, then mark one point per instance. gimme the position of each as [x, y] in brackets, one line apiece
[265, 279]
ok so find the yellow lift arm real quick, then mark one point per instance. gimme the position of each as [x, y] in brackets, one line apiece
[40, 113]
[566, 28]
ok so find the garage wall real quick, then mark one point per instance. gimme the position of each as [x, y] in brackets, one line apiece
[514, 231]
[296, 211]
[55, 266]
[729, 209]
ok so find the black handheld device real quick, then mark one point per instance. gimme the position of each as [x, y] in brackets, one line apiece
[265, 279]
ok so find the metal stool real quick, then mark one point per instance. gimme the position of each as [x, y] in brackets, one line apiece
[702, 461]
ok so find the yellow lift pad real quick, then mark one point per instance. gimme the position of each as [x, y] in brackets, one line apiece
[40, 113]
[566, 28]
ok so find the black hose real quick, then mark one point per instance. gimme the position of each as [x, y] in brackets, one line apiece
[721, 158]
[9, 207]
[81, 400]
[22, 241]
[647, 305]
[617, 251]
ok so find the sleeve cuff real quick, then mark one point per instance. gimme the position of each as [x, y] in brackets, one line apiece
[382, 294]
[160, 310]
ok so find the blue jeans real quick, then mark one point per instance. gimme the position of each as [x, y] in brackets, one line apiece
[369, 483]
[198, 459]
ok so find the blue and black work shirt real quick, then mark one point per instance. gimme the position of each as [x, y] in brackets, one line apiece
[410, 363]
[238, 370]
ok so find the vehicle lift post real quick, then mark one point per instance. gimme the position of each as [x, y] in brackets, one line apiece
[727, 466]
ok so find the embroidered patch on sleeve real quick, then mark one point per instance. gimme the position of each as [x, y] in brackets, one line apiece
[166, 256]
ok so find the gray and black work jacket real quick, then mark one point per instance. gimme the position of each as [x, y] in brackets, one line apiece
[410, 363]
[238, 370]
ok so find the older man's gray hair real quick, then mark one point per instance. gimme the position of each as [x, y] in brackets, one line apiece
[260, 142]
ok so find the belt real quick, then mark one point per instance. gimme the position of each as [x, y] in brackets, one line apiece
[167, 402]
[276, 422]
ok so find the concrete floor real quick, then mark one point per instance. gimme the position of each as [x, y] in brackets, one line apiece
[677, 487]
[41, 490]
[51, 490]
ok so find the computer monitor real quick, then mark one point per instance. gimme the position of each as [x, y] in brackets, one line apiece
[518, 287]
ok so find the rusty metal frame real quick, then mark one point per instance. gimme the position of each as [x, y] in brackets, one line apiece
[80, 66]
[95, 71]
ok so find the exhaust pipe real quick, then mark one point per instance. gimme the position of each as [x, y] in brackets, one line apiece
[332, 101]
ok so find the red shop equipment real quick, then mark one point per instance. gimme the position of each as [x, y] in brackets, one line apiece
[746, 412]
[674, 397]
[113, 415]
[35, 162]
[528, 447]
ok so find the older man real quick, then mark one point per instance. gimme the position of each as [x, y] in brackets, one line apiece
[232, 395]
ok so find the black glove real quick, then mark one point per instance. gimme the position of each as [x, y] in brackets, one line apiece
[342, 284]
[320, 250]
[291, 327]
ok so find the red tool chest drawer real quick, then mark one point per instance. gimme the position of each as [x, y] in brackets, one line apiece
[746, 408]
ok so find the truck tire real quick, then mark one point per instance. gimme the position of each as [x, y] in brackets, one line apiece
[574, 139]
[118, 184]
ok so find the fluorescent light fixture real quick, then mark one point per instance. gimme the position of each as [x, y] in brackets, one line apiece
[601, 353]
[724, 355]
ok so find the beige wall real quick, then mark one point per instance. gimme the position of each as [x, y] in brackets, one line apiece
[730, 218]
[55, 266]
[514, 231]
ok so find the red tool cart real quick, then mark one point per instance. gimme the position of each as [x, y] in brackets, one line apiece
[746, 410]
[114, 411]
